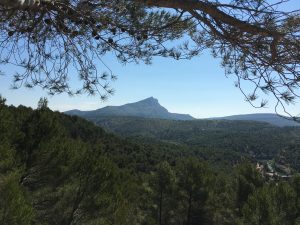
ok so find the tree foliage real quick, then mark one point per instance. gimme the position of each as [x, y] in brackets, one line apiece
[50, 40]
[42, 104]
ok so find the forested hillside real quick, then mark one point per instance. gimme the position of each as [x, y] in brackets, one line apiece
[59, 169]
[260, 141]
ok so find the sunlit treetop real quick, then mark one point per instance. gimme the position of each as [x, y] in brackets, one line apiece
[257, 42]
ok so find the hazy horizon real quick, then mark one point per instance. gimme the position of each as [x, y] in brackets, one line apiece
[107, 105]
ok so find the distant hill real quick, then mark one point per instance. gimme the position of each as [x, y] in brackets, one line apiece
[147, 108]
[261, 140]
[273, 119]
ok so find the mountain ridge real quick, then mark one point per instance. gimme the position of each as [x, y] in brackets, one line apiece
[270, 118]
[146, 108]
[150, 108]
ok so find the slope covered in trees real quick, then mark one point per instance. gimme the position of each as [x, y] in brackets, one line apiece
[259, 140]
[58, 169]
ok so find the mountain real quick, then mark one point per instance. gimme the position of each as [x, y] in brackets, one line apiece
[150, 108]
[147, 108]
[271, 118]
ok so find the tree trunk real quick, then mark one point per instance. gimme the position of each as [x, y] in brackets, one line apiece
[188, 218]
[21, 3]
[213, 11]
[160, 208]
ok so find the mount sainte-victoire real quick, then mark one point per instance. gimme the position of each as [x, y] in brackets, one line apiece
[150, 108]
[147, 108]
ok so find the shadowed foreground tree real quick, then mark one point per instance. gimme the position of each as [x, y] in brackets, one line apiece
[162, 183]
[258, 42]
[192, 176]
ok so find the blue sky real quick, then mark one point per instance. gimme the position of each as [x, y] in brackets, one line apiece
[197, 87]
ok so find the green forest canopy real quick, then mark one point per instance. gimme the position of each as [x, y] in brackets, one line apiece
[58, 169]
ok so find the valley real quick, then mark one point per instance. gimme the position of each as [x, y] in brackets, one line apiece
[258, 137]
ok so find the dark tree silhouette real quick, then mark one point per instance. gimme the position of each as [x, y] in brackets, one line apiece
[257, 41]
